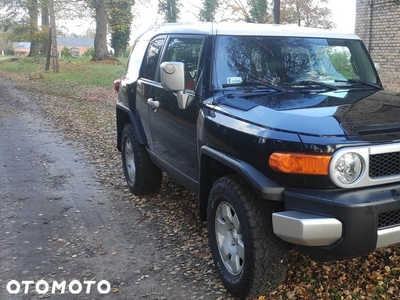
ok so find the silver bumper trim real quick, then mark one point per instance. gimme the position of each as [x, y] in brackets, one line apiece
[306, 229]
[388, 236]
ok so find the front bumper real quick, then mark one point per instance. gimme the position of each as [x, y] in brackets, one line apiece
[337, 224]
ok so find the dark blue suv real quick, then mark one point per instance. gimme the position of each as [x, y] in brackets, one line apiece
[285, 134]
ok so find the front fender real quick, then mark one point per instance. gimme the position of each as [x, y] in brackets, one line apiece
[262, 185]
[209, 158]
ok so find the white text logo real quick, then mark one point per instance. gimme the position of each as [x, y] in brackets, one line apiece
[43, 287]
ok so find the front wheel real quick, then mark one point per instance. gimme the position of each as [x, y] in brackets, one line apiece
[142, 175]
[249, 258]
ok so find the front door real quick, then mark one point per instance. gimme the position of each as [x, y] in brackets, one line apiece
[173, 130]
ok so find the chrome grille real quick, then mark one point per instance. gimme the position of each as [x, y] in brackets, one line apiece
[384, 164]
[388, 219]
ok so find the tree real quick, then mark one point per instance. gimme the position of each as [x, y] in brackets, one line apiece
[116, 13]
[89, 33]
[33, 11]
[252, 11]
[241, 9]
[100, 39]
[5, 45]
[309, 13]
[119, 20]
[208, 11]
[258, 11]
[170, 9]
[21, 17]
[45, 24]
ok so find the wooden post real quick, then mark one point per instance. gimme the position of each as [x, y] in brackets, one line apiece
[277, 11]
[48, 54]
[53, 36]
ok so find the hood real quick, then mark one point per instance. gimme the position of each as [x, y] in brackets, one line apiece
[334, 113]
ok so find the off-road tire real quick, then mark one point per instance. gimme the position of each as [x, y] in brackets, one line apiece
[141, 174]
[265, 255]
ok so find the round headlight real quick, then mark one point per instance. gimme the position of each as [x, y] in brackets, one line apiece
[348, 167]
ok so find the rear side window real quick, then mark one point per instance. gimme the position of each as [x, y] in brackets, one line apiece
[187, 50]
[135, 59]
[149, 66]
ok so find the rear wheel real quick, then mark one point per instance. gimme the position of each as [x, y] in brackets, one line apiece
[249, 258]
[142, 176]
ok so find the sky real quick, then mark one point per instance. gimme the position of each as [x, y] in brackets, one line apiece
[343, 15]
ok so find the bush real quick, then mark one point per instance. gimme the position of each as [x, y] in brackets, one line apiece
[66, 52]
[89, 52]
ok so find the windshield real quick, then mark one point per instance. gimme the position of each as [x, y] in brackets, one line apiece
[287, 61]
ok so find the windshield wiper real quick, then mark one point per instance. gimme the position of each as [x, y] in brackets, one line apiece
[355, 81]
[254, 83]
[318, 83]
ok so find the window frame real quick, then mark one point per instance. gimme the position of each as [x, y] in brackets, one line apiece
[184, 36]
[160, 54]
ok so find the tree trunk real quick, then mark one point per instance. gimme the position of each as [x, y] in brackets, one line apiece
[117, 51]
[100, 39]
[53, 36]
[298, 13]
[33, 27]
[45, 25]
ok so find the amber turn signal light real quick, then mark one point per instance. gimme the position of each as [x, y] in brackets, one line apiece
[298, 163]
[117, 84]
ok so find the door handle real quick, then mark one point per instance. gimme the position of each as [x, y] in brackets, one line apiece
[153, 104]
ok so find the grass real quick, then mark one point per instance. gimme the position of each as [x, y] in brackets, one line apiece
[4, 57]
[73, 72]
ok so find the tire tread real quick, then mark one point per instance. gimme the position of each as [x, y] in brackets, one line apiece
[270, 254]
[148, 175]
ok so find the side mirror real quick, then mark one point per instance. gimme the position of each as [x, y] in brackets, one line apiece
[377, 66]
[172, 75]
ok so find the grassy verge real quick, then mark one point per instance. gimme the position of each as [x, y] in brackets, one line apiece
[74, 72]
[5, 57]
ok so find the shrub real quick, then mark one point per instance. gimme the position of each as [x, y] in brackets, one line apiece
[66, 52]
[89, 52]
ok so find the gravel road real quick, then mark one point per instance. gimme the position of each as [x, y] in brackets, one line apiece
[59, 223]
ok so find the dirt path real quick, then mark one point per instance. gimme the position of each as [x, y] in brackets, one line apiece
[58, 224]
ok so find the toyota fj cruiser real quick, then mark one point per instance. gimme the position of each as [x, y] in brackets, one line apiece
[284, 133]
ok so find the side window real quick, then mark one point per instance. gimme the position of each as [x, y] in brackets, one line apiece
[149, 65]
[135, 59]
[186, 50]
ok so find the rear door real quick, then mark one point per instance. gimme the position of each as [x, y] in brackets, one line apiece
[173, 129]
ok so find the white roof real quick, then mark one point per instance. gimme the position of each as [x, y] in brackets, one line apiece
[278, 30]
[244, 29]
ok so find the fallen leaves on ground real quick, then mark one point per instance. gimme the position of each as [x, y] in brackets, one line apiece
[87, 117]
